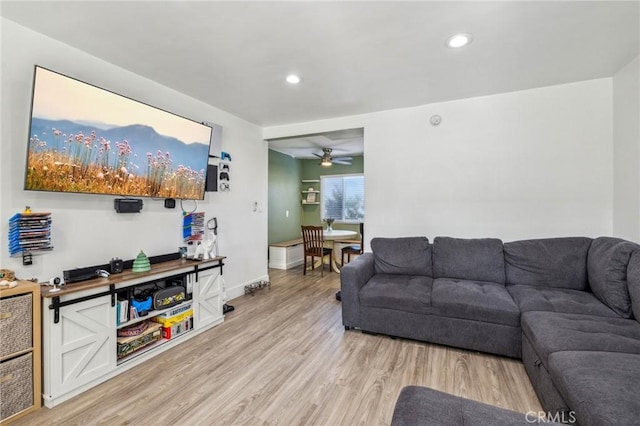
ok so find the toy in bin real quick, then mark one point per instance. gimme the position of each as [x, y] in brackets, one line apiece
[143, 304]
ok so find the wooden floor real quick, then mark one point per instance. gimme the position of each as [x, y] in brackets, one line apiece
[283, 357]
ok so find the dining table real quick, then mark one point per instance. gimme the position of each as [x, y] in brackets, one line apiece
[333, 235]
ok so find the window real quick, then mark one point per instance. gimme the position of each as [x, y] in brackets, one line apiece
[342, 197]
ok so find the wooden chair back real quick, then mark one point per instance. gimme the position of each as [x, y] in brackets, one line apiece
[313, 240]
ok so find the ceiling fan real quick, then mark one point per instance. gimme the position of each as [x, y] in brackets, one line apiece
[326, 159]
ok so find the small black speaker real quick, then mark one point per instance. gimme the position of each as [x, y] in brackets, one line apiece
[212, 178]
[127, 205]
[116, 265]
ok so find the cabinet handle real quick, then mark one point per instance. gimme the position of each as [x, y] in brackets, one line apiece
[6, 315]
[6, 378]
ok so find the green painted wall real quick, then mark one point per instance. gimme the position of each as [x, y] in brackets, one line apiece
[311, 169]
[284, 194]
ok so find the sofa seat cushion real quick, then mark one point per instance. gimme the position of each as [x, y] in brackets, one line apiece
[480, 259]
[607, 266]
[549, 262]
[601, 387]
[551, 332]
[474, 300]
[536, 298]
[400, 292]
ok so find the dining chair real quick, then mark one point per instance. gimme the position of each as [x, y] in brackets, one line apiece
[313, 243]
[355, 248]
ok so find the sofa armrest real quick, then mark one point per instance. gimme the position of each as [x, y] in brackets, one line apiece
[353, 277]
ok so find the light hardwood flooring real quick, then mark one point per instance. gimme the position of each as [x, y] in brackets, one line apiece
[283, 357]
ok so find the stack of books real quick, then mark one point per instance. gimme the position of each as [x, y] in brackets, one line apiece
[131, 339]
[122, 311]
[29, 232]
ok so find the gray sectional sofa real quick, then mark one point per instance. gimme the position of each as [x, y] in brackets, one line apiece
[565, 306]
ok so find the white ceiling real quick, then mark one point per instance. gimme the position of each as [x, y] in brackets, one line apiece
[342, 142]
[354, 57]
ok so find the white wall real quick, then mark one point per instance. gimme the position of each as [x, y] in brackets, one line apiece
[626, 151]
[528, 164]
[86, 228]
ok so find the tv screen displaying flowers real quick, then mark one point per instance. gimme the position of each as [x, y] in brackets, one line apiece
[85, 139]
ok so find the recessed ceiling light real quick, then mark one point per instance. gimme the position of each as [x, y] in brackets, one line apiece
[458, 40]
[293, 79]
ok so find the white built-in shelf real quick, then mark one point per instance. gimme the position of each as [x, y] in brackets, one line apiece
[149, 347]
[151, 314]
[310, 194]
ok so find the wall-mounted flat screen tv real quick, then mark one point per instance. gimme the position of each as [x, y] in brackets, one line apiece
[85, 139]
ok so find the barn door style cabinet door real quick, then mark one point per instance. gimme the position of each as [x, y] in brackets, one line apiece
[80, 323]
[81, 345]
[208, 297]
[20, 371]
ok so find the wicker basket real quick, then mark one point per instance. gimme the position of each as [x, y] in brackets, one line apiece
[16, 385]
[15, 324]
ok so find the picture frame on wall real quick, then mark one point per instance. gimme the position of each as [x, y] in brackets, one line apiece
[311, 197]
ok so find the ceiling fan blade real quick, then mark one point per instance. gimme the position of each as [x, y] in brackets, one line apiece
[319, 156]
[343, 158]
[343, 162]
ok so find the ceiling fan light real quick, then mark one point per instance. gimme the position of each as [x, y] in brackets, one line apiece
[326, 162]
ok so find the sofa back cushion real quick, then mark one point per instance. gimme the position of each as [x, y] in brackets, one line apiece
[607, 264]
[549, 262]
[633, 281]
[478, 259]
[403, 256]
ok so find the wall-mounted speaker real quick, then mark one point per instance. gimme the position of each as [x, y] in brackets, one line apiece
[212, 178]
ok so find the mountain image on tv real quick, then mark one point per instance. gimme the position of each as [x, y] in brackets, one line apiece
[86, 139]
[132, 160]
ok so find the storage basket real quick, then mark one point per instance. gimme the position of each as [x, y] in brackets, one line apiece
[15, 324]
[16, 385]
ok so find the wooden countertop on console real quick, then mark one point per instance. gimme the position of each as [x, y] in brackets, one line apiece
[128, 275]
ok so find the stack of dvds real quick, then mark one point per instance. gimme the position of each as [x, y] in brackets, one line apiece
[29, 232]
[193, 227]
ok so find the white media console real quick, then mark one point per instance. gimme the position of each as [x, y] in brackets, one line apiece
[80, 324]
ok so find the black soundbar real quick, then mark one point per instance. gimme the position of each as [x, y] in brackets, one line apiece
[83, 274]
